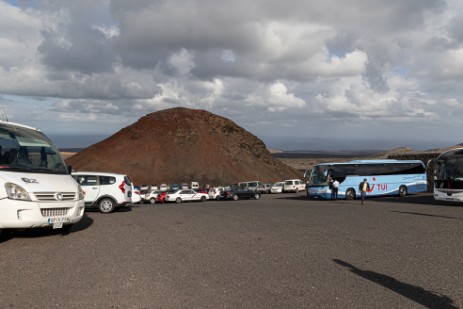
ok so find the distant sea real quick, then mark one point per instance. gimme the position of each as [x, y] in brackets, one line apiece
[75, 142]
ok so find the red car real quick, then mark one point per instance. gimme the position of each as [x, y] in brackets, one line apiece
[161, 197]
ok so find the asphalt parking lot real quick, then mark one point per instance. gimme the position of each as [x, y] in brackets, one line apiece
[282, 251]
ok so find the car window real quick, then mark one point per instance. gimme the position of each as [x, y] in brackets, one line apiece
[85, 180]
[107, 180]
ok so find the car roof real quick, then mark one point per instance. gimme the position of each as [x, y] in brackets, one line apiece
[96, 173]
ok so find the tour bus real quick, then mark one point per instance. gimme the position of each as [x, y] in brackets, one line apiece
[36, 188]
[386, 177]
[448, 176]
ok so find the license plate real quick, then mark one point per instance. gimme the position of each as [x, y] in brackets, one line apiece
[57, 222]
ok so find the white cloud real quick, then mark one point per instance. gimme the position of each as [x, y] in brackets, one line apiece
[183, 61]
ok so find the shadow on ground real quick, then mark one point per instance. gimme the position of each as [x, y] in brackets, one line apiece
[426, 298]
[83, 224]
[422, 198]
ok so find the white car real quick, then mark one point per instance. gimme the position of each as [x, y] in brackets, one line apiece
[186, 196]
[136, 196]
[277, 187]
[194, 185]
[214, 193]
[105, 191]
[151, 196]
[293, 185]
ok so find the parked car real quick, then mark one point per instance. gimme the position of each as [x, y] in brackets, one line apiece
[163, 187]
[185, 186]
[161, 198]
[250, 185]
[105, 191]
[237, 193]
[194, 185]
[151, 196]
[264, 188]
[293, 185]
[136, 195]
[214, 193]
[148, 188]
[180, 196]
[174, 186]
[277, 187]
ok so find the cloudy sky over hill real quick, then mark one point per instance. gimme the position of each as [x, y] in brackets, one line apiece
[294, 73]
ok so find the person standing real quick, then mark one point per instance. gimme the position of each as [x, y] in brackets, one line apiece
[364, 187]
[335, 189]
[330, 182]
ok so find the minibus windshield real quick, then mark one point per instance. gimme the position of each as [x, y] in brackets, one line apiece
[27, 150]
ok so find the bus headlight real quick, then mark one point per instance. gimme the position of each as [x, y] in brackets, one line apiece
[81, 193]
[16, 192]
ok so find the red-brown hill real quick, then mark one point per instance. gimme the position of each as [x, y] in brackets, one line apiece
[183, 145]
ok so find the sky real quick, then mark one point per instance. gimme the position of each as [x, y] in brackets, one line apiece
[299, 74]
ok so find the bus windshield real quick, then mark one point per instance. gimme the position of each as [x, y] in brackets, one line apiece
[26, 150]
[450, 169]
[319, 175]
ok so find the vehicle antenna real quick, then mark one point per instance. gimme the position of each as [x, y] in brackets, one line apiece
[3, 115]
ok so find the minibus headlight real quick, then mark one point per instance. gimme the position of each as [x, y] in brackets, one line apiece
[81, 193]
[16, 192]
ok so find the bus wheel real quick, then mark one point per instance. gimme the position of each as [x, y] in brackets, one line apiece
[350, 194]
[403, 191]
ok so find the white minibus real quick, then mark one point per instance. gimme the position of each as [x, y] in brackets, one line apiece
[36, 189]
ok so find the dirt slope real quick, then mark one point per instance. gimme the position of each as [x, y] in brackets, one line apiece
[183, 145]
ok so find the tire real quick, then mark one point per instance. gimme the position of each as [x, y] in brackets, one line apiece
[235, 197]
[106, 205]
[203, 198]
[178, 200]
[350, 194]
[256, 196]
[403, 191]
[152, 200]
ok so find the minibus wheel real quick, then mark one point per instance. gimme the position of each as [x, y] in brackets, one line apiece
[106, 205]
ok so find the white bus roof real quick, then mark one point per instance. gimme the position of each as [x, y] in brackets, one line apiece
[380, 161]
[456, 150]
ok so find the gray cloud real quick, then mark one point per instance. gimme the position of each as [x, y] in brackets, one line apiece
[276, 68]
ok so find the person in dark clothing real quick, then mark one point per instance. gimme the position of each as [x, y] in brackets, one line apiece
[364, 187]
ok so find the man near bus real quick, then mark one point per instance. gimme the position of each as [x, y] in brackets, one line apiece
[364, 187]
[335, 189]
